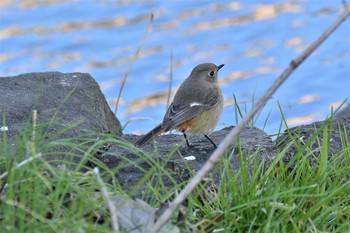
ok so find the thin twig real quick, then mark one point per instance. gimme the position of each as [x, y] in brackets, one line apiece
[217, 154]
[133, 61]
[35, 113]
[135, 119]
[21, 164]
[170, 80]
[111, 206]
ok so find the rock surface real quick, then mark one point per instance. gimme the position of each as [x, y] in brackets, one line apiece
[60, 98]
[182, 162]
[344, 112]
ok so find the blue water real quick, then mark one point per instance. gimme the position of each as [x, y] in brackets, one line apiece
[255, 40]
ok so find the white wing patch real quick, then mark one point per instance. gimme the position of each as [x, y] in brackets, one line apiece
[195, 104]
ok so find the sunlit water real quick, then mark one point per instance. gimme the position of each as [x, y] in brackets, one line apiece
[256, 42]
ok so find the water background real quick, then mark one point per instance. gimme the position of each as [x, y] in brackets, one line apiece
[256, 40]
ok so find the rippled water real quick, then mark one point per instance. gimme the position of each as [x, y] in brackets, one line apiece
[256, 42]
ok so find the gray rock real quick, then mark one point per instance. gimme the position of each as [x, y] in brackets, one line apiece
[179, 161]
[344, 111]
[138, 216]
[171, 151]
[337, 130]
[61, 99]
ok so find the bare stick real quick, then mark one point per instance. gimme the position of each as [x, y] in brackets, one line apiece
[214, 158]
[133, 61]
[21, 164]
[111, 206]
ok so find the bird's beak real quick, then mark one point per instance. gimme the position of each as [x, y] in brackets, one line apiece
[220, 66]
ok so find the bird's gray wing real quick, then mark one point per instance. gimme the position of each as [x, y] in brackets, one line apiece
[178, 114]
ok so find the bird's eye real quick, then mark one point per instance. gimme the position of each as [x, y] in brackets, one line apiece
[211, 73]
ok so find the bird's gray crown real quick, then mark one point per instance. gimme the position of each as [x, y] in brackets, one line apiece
[203, 67]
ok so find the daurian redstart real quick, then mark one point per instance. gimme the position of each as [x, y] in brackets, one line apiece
[196, 107]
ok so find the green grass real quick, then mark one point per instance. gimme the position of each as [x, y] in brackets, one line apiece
[303, 199]
[285, 197]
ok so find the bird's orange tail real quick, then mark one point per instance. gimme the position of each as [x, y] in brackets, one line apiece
[150, 135]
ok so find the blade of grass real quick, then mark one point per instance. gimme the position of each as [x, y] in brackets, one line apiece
[133, 61]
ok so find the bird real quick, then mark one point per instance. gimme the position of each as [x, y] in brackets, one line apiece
[196, 107]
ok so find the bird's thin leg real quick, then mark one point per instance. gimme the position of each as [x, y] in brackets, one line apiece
[210, 140]
[188, 145]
